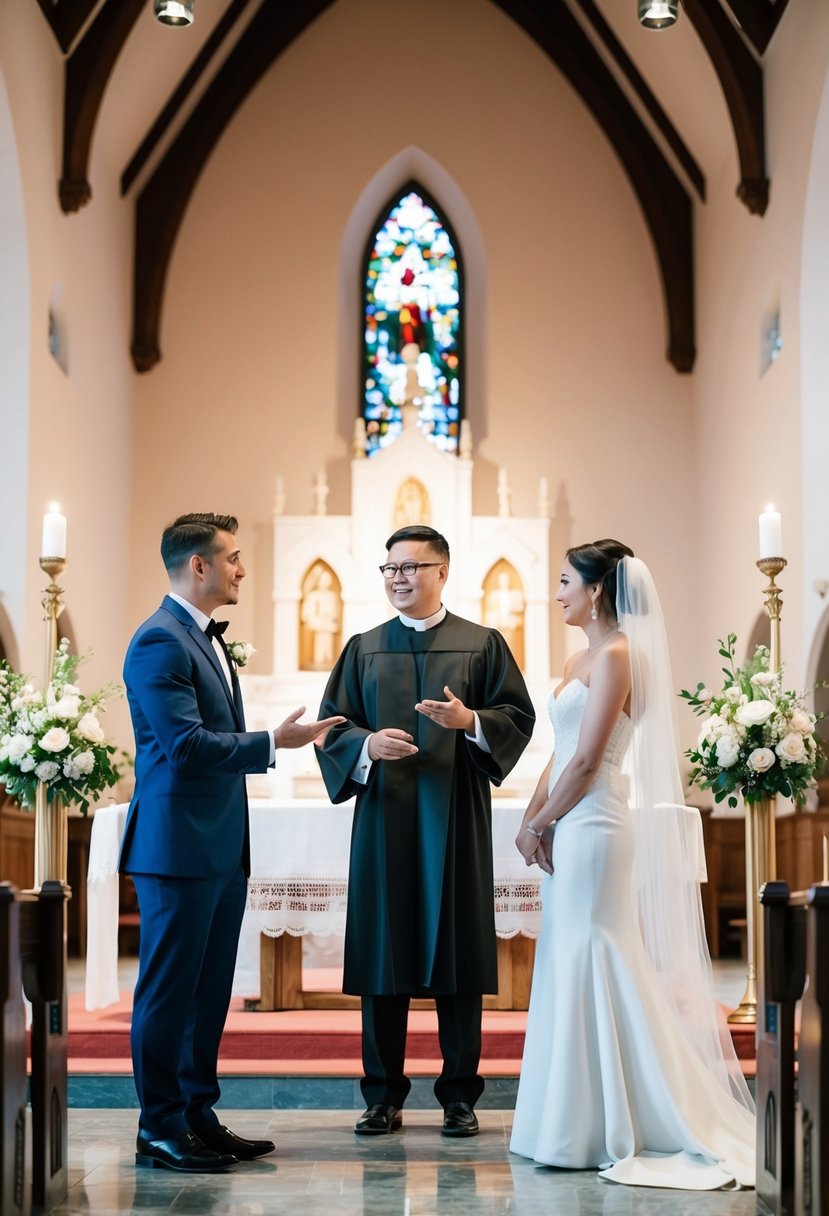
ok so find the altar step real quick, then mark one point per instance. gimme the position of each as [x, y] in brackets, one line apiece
[299, 1058]
[317, 1041]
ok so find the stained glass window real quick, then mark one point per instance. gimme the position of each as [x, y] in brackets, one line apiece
[412, 368]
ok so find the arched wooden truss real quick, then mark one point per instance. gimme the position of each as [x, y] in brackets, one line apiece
[667, 206]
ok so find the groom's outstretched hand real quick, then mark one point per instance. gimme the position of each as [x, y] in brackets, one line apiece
[292, 733]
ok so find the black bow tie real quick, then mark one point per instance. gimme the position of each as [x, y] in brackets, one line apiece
[215, 629]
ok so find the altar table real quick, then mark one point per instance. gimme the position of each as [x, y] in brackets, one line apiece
[298, 885]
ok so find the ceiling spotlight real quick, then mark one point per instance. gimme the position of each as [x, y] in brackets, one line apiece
[174, 12]
[658, 14]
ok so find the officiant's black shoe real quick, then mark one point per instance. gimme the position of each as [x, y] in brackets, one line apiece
[185, 1152]
[222, 1140]
[459, 1119]
[378, 1120]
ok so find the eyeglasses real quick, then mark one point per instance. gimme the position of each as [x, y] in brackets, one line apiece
[406, 568]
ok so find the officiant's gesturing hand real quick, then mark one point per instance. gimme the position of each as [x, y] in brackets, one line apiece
[390, 744]
[451, 714]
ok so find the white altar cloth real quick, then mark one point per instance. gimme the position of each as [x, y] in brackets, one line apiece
[298, 883]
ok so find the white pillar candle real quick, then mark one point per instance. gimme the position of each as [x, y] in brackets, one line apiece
[53, 540]
[771, 536]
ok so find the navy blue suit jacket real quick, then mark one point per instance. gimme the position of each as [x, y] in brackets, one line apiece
[189, 814]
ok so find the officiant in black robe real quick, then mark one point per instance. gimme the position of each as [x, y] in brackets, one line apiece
[436, 709]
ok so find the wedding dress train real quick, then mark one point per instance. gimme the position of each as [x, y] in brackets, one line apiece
[609, 1079]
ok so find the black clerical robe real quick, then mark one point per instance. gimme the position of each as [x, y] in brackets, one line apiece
[421, 918]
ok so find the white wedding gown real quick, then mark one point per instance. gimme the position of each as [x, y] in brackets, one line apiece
[608, 1078]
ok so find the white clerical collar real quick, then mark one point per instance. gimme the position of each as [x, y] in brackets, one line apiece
[196, 613]
[427, 622]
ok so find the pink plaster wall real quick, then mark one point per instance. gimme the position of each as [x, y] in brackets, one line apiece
[78, 423]
[571, 380]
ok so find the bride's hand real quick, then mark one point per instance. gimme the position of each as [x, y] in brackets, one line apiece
[527, 845]
[544, 852]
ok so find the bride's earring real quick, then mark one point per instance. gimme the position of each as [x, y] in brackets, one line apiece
[594, 616]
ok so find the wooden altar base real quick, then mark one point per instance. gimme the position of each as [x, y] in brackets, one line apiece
[280, 973]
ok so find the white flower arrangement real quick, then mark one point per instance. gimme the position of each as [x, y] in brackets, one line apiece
[757, 738]
[240, 652]
[54, 736]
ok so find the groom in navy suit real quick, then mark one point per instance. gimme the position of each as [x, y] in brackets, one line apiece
[187, 845]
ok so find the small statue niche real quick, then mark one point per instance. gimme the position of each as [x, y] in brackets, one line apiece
[320, 618]
[504, 605]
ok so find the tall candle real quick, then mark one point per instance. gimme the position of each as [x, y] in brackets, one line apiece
[825, 860]
[53, 540]
[771, 536]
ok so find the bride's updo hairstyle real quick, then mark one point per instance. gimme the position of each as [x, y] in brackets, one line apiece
[596, 563]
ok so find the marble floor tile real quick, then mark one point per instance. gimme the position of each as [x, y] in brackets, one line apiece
[320, 1168]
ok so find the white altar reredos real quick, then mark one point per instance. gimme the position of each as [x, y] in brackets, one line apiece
[410, 481]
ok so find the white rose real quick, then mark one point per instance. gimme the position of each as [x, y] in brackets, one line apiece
[791, 749]
[26, 695]
[65, 708]
[761, 759]
[802, 722]
[710, 730]
[90, 728]
[17, 747]
[240, 652]
[728, 752]
[39, 718]
[46, 770]
[763, 679]
[754, 713]
[733, 694]
[705, 695]
[85, 762]
[55, 740]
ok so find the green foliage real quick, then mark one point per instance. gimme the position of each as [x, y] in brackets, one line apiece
[757, 739]
[54, 736]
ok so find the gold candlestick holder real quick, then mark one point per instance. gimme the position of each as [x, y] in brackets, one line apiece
[51, 831]
[761, 854]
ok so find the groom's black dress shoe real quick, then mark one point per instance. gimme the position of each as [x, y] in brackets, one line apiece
[459, 1120]
[377, 1120]
[185, 1152]
[222, 1140]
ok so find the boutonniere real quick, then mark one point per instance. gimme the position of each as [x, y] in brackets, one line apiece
[240, 652]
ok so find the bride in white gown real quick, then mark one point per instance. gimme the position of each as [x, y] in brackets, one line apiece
[628, 1065]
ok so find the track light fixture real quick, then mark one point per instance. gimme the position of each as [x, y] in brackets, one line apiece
[174, 12]
[658, 14]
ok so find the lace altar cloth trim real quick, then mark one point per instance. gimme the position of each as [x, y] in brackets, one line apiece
[313, 905]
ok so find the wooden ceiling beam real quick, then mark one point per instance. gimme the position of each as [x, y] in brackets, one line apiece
[88, 70]
[182, 91]
[651, 103]
[741, 80]
[66, 17]
[758, 19]
[161, 205]
[665, 204]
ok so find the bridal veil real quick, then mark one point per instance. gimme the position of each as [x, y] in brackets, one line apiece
[669, 860]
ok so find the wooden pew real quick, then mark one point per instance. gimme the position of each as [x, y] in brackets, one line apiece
[43, 955]
[812, 1110]
[15, 1138]
[783, 977]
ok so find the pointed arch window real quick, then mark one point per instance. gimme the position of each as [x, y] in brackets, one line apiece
[413, 369]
